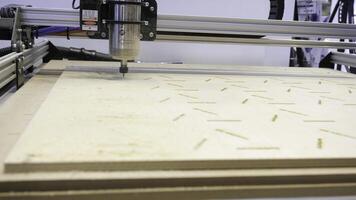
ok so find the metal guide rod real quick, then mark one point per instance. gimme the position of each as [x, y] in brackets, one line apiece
[7, 71]
[212, 25]
[31, 56]
[343, 59]
[8, 80]
[36, 47]
[230, 26]
[7, 74]
[190, 70]
[262, 41]
[35, 56]
[8, 59]
[5, 60]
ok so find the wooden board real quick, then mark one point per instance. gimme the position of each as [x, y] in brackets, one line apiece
[324, 191]
[17, 111]
[18, 107]
[155, 179]
[95, 121]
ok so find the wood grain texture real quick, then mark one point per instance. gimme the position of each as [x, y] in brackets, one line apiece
[214, 192]
[36, 182]
[95, 121]
[17, 111]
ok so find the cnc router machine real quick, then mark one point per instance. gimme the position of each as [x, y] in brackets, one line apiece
[79, 130]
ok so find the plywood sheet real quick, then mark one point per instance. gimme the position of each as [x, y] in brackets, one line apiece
[332, 191]
[96, 121]
[17, 111]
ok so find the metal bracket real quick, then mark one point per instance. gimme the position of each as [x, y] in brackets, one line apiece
[28, 37]
[149, 17]
[16, 38]
[20, 74]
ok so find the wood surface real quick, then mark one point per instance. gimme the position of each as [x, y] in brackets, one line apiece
[17, 111]
[96, 185]
[97, 121]
[64, 181]
[188, 193]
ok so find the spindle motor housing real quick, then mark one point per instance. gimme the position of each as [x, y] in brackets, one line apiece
[123, 22]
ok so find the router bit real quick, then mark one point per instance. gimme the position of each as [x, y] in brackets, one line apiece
[123, 68]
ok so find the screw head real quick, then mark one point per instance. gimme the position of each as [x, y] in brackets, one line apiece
[152, 8]
[103, 34]
[146, 23]
[151, 34]
[147, 4]
[141, 36]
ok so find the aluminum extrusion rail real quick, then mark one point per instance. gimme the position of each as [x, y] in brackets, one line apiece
[233, 26]
[343, 59]
[262, 41]
[49, 17]
[7, 68]
[30, 57]
[208, 25]
[219, 30]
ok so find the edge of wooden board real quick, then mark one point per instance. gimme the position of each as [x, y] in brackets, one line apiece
[148, 165]
[215, 192]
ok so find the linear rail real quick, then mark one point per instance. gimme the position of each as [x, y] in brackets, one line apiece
[210, 29]
[30, 56]
[343, 59]
[262, 41]
[233, 26]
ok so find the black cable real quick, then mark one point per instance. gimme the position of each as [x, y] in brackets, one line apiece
[301, 60]
[83, 54]
[73, 5]
[336, 8]
[5, 51]
[277, 9]
[7, 12]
